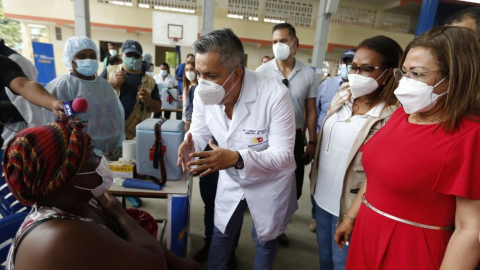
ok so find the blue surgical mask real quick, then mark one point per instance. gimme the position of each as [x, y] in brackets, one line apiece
[163, 73]
[128, 62]
[344, 71]
[86, 67]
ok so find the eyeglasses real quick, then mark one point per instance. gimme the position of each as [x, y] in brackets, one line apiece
[285, 81]
[364, 70]
[414, 76]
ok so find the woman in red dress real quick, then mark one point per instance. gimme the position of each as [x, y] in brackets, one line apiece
[423, 166]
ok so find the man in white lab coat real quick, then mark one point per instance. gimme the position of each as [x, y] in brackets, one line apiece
[252, 119]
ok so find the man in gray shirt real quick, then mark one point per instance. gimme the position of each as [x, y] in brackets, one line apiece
[299, 78]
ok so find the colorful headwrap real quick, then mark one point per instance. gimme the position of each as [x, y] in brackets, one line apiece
[41, 159]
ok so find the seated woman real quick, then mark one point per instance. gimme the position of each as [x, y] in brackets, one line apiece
[54, 168]
[105, 114]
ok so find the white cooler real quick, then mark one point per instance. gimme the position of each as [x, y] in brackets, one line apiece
[171, 101]
[172, 136]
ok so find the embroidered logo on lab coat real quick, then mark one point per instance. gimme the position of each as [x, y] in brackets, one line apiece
[257, 140]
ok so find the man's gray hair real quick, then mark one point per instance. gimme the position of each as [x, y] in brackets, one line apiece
[225, 43]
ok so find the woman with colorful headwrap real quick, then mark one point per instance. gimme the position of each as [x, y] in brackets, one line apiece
[105, 116]
[54, 168]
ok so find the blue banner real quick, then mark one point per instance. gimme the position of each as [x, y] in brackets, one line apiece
[44, 62]
[177, 226]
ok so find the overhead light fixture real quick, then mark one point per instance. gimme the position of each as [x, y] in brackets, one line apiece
[471, 1]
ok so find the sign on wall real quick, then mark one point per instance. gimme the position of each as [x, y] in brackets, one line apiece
[44, 62]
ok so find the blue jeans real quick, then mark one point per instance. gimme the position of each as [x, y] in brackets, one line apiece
[331, 257]
[222, 244]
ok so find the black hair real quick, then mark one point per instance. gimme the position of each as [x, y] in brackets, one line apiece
[471, 12]
[114, 60]
[291, 30]
[165, 64]
[225, 43]
[190, 54]
[389, 50]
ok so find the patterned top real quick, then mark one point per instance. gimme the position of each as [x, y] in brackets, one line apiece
[40, 214]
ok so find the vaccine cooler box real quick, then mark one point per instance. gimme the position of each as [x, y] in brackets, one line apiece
[172, 136]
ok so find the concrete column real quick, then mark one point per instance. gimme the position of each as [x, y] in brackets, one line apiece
[379, 20]
[261, 10]
[321, 35]
[208, 15]
[82, 18]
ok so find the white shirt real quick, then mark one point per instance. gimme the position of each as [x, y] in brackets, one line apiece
[339, 133]
[301, 83]
[262, 130]
[169, 81]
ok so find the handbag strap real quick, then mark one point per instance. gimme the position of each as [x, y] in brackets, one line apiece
[158, 159]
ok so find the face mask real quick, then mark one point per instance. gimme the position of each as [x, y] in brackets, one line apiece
[86, 67]
[107, 178]
[417, 96]
[112, 52]
[211, 93]
[163, 73]
[344, 71]
[362, 85]
[191, 75]
[128, 62]
[282, 51]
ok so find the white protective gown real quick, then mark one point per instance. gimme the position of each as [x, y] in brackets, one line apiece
[105, 115]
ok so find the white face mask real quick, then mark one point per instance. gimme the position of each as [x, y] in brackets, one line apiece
[282, 51]
[362, 85]
[417, 96]
[344, 71]
[211, 93]
[191, 75]
[112, 52]
[107, 178]
[164, 73]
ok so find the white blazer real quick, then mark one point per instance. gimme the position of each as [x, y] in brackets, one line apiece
[262, 130]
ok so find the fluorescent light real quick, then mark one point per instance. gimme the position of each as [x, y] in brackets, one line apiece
[272, 21]
[143, 6]
[183, 10]
[234, 16]
[471, 1]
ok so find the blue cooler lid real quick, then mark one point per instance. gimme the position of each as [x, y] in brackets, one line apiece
[169, 126]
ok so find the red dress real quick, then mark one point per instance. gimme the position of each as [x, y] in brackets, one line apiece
[413, 173]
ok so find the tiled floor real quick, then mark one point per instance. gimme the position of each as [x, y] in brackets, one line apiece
[301, 254]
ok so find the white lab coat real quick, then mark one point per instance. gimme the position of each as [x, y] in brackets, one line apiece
[262, 130]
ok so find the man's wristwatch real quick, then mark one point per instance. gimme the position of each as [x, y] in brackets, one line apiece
[238, 165]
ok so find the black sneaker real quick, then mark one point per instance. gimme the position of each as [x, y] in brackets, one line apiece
[283, 240]
[202, 255]
[232, 263]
